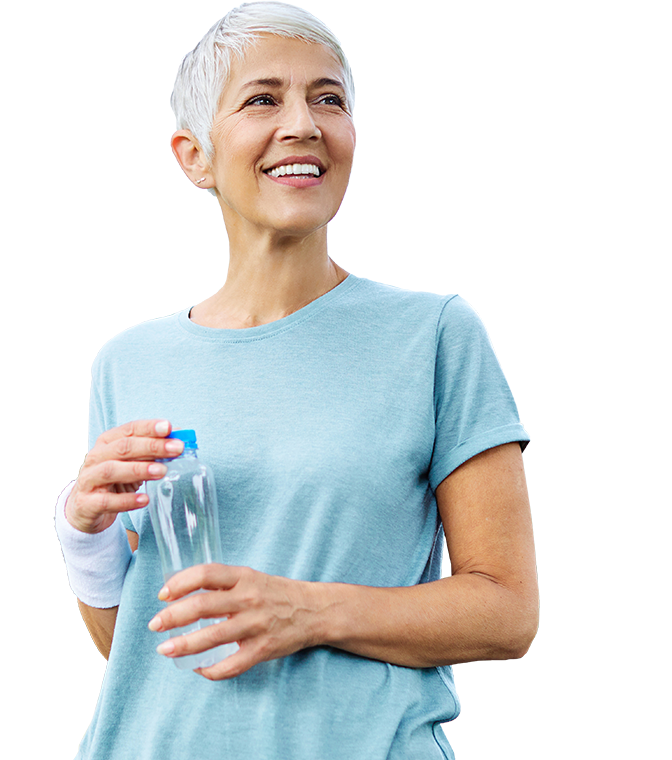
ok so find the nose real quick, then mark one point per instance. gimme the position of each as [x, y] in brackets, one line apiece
[298, 123]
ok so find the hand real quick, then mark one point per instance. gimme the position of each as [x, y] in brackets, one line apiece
[114, 469]
[268, 615]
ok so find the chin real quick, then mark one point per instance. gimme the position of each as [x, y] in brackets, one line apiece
[300, 226]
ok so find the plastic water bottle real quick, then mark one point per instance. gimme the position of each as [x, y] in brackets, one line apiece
[183, 511]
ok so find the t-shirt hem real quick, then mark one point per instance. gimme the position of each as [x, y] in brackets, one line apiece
[513, 433]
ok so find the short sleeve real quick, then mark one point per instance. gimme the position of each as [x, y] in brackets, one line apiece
[473, 405]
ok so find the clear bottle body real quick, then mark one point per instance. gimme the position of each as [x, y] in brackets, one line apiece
[183, 512]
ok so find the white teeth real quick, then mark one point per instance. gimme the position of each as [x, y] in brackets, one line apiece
[295, 169]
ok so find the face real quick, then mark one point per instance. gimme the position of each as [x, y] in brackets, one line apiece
[283, 138]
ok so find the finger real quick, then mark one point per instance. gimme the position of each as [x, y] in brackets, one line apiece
[210, 576]
[140, 428]
[94, 505]
[111, 472]
[208, 637]
[233, 665]
[200, 605]
[135, 448]
[94, 513]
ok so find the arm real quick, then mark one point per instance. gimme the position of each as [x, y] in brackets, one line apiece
[113, 470]
[100, 622]
[488, 608]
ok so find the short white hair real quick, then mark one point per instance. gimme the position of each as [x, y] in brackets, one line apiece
[204, 71]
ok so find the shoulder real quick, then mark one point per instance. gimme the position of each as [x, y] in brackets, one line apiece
[135, 341]
[399, 303]
[459, 320]
[448, 315]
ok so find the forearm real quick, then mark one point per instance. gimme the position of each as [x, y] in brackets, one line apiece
[464, 618]
[487, 609]
[100, 624]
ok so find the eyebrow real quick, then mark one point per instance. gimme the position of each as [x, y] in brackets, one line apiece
[274, 82]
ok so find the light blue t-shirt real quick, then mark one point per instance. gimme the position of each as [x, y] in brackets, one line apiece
[328, 432]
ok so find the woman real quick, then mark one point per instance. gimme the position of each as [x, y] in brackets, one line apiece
[348, 424]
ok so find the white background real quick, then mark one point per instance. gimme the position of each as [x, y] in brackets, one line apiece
[606, 245]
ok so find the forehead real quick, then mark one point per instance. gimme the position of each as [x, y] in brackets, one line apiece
[275, 57]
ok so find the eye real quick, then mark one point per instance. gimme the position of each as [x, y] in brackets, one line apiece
[331, 100]
[261, 100]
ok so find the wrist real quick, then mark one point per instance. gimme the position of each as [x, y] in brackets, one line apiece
[326, 603]
[96, 562]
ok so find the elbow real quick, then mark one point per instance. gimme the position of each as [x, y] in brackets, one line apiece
[522, 646]
[514, 625]
[513, 646]
[522, 634]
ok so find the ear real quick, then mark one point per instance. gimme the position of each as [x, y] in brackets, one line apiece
[191, 158]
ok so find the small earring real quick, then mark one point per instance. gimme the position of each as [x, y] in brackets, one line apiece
[198, 181]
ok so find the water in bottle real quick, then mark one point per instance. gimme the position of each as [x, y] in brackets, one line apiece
[183, 511]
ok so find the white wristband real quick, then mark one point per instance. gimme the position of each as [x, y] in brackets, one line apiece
[96, 562]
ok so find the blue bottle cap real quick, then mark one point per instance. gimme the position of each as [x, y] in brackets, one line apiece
[188, 436]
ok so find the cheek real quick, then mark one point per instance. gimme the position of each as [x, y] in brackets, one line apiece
[349, 142]
[238, 149]
[338, 132]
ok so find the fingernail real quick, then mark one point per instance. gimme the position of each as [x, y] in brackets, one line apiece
[164, 593]
[162, 428]
[156, 469]
[174, 446]
[155, 624]
[166, 648]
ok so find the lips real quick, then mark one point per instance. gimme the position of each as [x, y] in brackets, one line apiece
[302, 181]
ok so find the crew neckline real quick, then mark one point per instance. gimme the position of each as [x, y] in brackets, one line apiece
[260, 332]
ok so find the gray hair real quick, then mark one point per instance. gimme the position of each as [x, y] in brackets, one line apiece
[205, 70]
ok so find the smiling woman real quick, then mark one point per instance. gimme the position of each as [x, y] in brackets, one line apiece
[284, 93]
[348, 424]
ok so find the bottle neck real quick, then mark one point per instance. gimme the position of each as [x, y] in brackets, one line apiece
[188, 453]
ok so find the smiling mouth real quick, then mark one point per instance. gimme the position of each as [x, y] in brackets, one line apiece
[296, 170]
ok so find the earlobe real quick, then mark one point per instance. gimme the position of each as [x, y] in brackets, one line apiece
[190, 157]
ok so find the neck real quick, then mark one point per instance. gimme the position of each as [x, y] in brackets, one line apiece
[268, 280]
